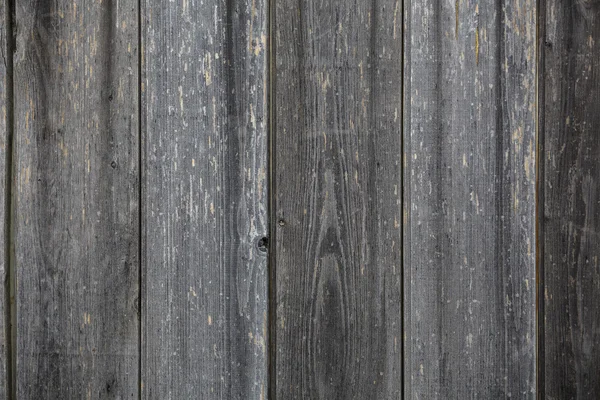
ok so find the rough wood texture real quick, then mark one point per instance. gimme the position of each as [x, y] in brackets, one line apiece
[76, 172]
[205, 200]
[470, 110]
[5, 110]
[338, 191]
[570, 198]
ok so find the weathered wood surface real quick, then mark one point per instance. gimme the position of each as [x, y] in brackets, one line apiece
[5, 115]
[337, 194]
[470, 111]
[76, 194]
[418, 244]
[205, 199]
[570, 199]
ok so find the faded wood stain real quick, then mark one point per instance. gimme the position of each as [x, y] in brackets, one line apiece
[391, 149]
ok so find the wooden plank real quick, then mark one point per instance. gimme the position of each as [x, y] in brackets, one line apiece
[470, 121]
[570, 198]
[76, 216]
[205, 200]
[338, 192]
[5, 134]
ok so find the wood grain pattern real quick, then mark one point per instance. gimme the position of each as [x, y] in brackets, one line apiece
[338, 192]
[205, 199]
[5, 113]
[570, 198]
[470, 121]
[76, 194]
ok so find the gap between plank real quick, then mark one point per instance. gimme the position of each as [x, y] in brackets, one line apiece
[405, 308]
[402, 207]
[10, 279]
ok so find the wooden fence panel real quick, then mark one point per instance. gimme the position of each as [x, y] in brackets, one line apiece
[205, 199]
[570, 199]
[470, 121]
[5, 115]
[76, 194]
[337, 199]
[409, 199]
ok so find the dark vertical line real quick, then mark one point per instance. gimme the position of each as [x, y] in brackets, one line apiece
[539, 198]
[404, 202]
[402, 207]
[271, 213]
[9, 265]
[141, 288]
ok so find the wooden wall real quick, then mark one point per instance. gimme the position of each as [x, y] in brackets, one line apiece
[244, 199]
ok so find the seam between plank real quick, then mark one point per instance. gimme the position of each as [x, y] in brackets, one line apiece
[402, 207]
[405, 113]
[141, 289]
[10, 270]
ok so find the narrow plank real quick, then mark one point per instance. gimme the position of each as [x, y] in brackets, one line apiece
[205, 200]
[570, 198]
[76, 216]
[5, 111]
[470, 121]
[338, 192]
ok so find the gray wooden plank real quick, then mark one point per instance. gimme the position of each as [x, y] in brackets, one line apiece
[204, 199]
[337, 199]
[470, 122]
[570, 198]
[5, 149]
[76, 194]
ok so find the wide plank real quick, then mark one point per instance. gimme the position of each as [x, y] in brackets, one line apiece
[470, 178]
[205, 199]
[570, 199]
[337, 200]
[76, 199]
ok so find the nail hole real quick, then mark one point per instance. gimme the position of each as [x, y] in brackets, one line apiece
[113, 164]
[263, 244]
[281, 222]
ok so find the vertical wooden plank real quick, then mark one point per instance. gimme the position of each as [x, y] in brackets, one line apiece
[338, 192]
[77, 237]
[5, 111]
[570, 198]
[470, 110]
[205, 199]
